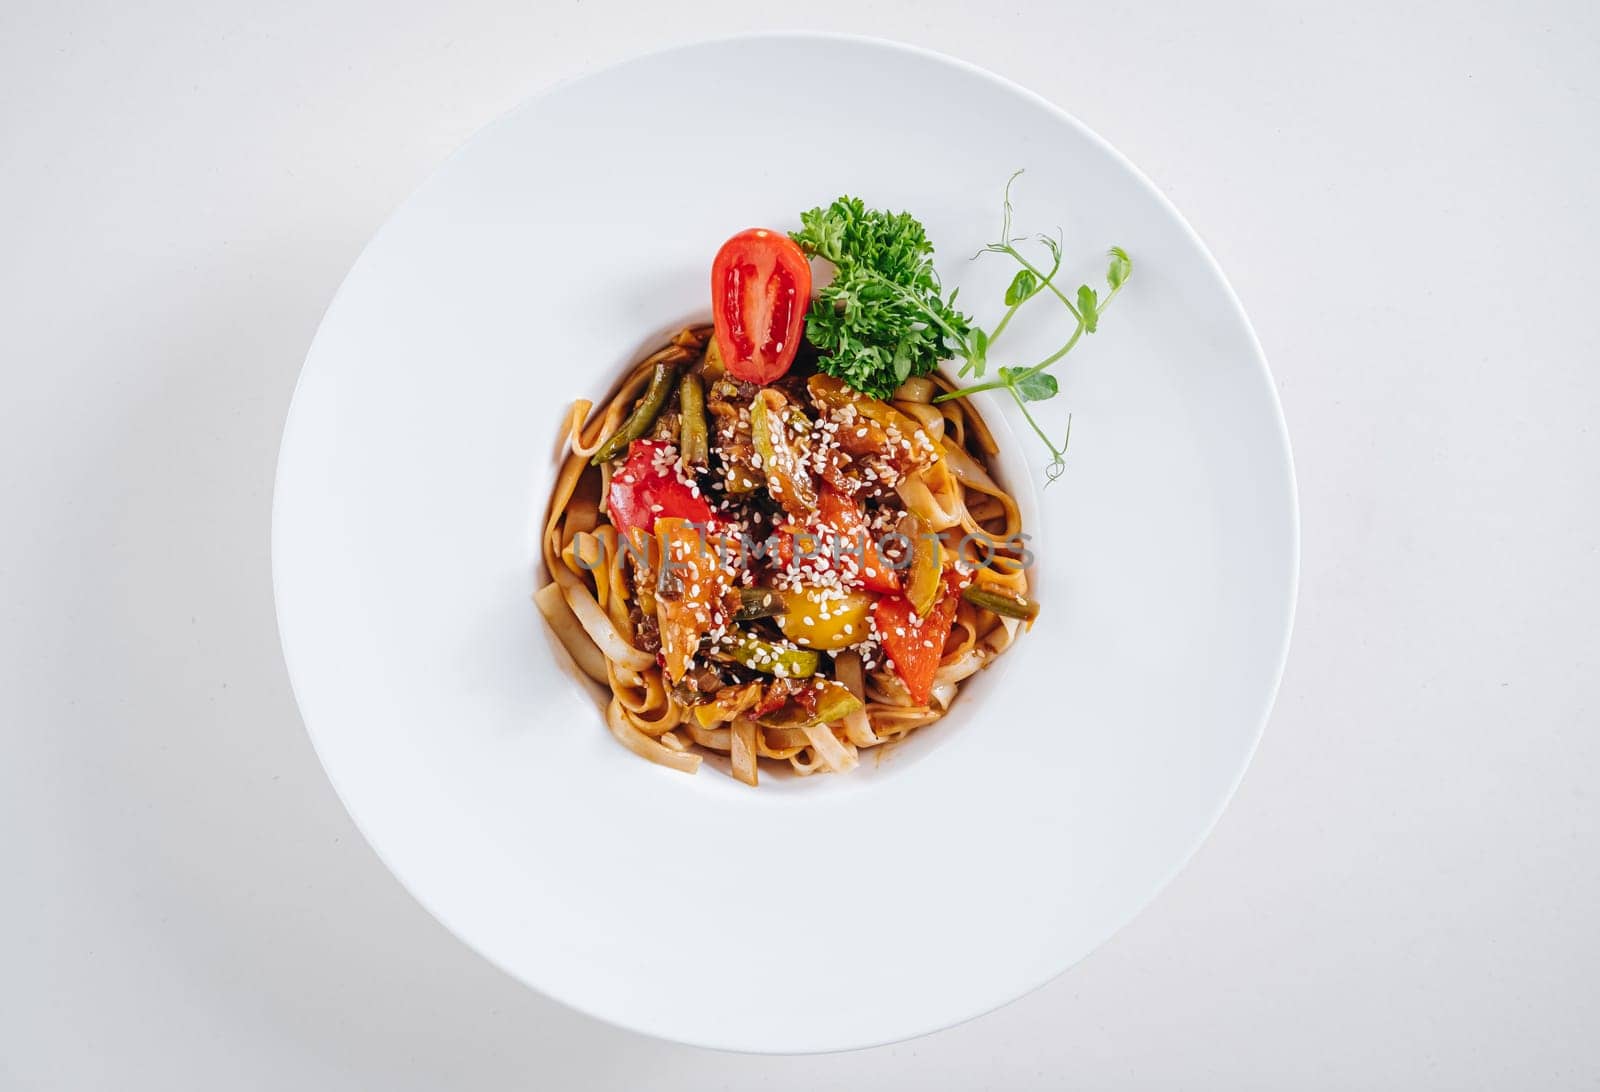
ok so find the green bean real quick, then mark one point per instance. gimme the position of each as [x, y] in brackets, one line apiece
[1002, 603]
[764, 656]
[644, 414]
[694, 440]
[758, 603]
[740, 482]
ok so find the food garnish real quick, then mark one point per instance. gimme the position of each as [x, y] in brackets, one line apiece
[884, 318]
[760, 286]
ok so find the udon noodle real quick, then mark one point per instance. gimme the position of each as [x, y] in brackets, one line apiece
[707, 648]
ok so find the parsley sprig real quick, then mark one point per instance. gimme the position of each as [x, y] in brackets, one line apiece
[884, 318]
[1034, 383]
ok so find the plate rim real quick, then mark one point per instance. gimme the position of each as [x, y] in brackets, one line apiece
[1060, 114]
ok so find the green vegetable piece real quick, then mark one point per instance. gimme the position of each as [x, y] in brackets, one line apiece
[883, 318]
[739, 482]
[1001, 603]
[761, 430]
[712, 366]
[758, 603]
[694, 438]
[927, 563]
[768, 658]
[643, 416]
[787, 479]
[834, 703]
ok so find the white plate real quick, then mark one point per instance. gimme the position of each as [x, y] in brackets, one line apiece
[991, 851]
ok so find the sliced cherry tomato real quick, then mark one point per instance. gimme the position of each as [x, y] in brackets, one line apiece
[916, 644]
[760, 289]
[642, 492]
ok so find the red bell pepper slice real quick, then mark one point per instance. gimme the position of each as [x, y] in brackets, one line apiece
[839, 529]
[843, 516]
[643, 492]
[917, 644]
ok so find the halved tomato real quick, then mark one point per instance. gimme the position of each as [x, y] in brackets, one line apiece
[760, 289]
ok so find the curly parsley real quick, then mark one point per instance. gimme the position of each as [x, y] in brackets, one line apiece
[884, 318]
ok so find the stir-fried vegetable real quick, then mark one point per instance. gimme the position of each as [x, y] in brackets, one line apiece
[644, 414]
[831, 393]
[689, 592]
[817, 618]
[728, 703]
[694, 438]
[787, 478]
[838, 532]
[823, 702]
[771, 659]
[927, 563]
[711, 366]
[842, 518]
[643, 491]
[757, 603]
[915, 644]
[869, 431]
[814, 617]
[1002, 603]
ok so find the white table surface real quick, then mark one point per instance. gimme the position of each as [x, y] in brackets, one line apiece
[1403, 894]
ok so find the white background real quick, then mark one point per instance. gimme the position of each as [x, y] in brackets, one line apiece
[1402, 895]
